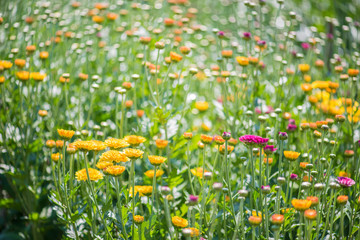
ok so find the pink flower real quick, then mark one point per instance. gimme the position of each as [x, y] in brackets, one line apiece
[345, 182]
[253, 140]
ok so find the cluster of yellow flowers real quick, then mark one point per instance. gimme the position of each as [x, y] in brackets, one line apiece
[94, 175]
[142, 190]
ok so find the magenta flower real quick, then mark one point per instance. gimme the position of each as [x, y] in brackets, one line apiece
[253, 140]
[293, 176]
[246, 35]
[305, 46]
[291, 127]
[268, 149]
[345, 182]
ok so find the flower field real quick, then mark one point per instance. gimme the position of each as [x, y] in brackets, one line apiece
[179, 119]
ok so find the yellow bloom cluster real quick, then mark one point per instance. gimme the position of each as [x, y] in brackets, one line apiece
[133, 153]
[114, 170]
[134, 140]
[113, 156]
[114, 143]
[142, 190]
[94, 175]
[91, 145]
[156, 160]
[150, 173]
[103, 165]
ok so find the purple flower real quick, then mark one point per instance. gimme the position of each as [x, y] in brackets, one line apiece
[261, 43]
[330, 36]
[265, 189]
[226, 135]
[305, 46]
[291, 127]
[253, 140]
[293, 176]
[345, 182]
[283, 135]
[193, 198]
[359, 143]
[268, 149]
[246, 35]
[221, 34]
[293, 53]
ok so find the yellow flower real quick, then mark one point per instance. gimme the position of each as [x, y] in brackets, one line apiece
[91, 145]
[23, 75]
[134, 140]
[114, 170]
[5, 64]
[113, 156]
[291, 156]
[133, 153]
[142, 190]
[320, 85]
[114, 143]
[179, 221]
[206, 139]
[301, 205]
[104, 164]
[138, 219]
[56, 157]
[156, 160]
[304, 68]
[243, 61]
[94, 175]
[202, 106]
[150, 173]
[37, 76]
[198, 172]
[65, 134]
[161, 144]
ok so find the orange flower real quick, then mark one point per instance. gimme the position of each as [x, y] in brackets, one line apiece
[310, 214]
[42, 113]
[277, 219]
[112, 16]
[98, 19]
[314, 200]
[142, 190]
[65, 134]
[179, 222]
[353, 72]
[254, 220]
[342, 199]
[44, 55]
[301, 205]
[175, 57]
[20, 63]
[206, 139]
[161, 144]
[306, 87]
